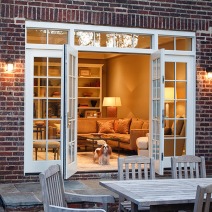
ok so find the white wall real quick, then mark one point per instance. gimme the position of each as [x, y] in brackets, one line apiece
[128, 77]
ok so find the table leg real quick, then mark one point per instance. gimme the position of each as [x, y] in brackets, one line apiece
[134, 207]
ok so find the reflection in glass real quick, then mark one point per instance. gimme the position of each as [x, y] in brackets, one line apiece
[181, 90]
[37, 36]
[107, 39]
[181, 71]
[183, 44]
[166, 42]
[169, 71]
[84, 38]
[57, 37]
[47, 108]
[143, 41]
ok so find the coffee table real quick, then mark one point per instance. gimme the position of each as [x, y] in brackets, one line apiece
[96, 141]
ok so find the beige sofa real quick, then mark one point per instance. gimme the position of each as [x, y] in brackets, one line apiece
[127, 130]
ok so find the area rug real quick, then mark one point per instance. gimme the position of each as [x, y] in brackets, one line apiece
[85, 163]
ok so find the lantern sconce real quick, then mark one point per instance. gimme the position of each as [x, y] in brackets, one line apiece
[10, 65]
[209, 72]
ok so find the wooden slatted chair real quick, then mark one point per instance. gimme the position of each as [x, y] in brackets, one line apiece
[55, 198]
[188, 166]
[199, 205]
[134, 168]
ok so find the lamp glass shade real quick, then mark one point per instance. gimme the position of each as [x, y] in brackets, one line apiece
[210, 75]
[112, 101]
[169, 94]
[10, 67]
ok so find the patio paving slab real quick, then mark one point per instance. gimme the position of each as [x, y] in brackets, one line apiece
[22, 195]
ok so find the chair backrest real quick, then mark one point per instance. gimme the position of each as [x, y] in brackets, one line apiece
[52, 187]
[136, 167]
[188, 166]
[201, 191]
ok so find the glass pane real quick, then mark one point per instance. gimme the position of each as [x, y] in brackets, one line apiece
[169, 71]
[40, 66]
[181, 71]
[102, 39]
[181, 90]
[166, 42]
[184, 44]
[54, 108]
[37, 36]
[54, 129]
[57, 37]
[84, 38]
[39, 129]
[181, 108]
[54, 67]
[123, 40]
[143, 41]
[47, 109]
[39, 108]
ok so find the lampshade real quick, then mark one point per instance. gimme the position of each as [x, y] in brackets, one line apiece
[112, 101]
[169, 94]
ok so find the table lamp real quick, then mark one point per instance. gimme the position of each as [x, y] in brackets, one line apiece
[112, 103]
[169, 98]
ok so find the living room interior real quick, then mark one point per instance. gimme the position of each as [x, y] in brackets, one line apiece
[125, 76]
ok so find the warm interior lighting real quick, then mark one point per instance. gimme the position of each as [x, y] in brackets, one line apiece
[209, 72]
[169, 98]
[10, 66]
[112, 103]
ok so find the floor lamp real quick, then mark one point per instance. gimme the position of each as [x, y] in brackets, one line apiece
[112, 103]
[169, 98]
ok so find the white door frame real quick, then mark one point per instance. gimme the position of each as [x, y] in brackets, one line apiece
[30, 165]
[71, 28]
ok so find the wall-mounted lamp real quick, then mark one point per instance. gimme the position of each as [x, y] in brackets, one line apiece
[209, 72]
[112, 103]
[10, 65]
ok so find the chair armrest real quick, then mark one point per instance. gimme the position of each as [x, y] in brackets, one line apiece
[53, 208]
[135, 133]
[70, 197]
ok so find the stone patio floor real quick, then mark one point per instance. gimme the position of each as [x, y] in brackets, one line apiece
[27, 196]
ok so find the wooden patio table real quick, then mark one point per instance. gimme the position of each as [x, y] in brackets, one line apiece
[160, 195]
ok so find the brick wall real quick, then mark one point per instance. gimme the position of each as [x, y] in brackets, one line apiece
[189, 15]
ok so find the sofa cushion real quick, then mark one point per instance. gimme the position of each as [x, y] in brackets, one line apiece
[122, 126]
[105, 126]
[145, 125]
[124, 138]
[136, 123]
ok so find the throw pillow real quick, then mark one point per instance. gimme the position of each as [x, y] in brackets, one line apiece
[136, 123]
[105, 126]
[123, 126]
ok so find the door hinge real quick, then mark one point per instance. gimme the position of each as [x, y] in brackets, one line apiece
[163, 79]
[162, 156]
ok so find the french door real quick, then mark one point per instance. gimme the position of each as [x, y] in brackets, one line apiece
[50, 110]
[172, 107]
